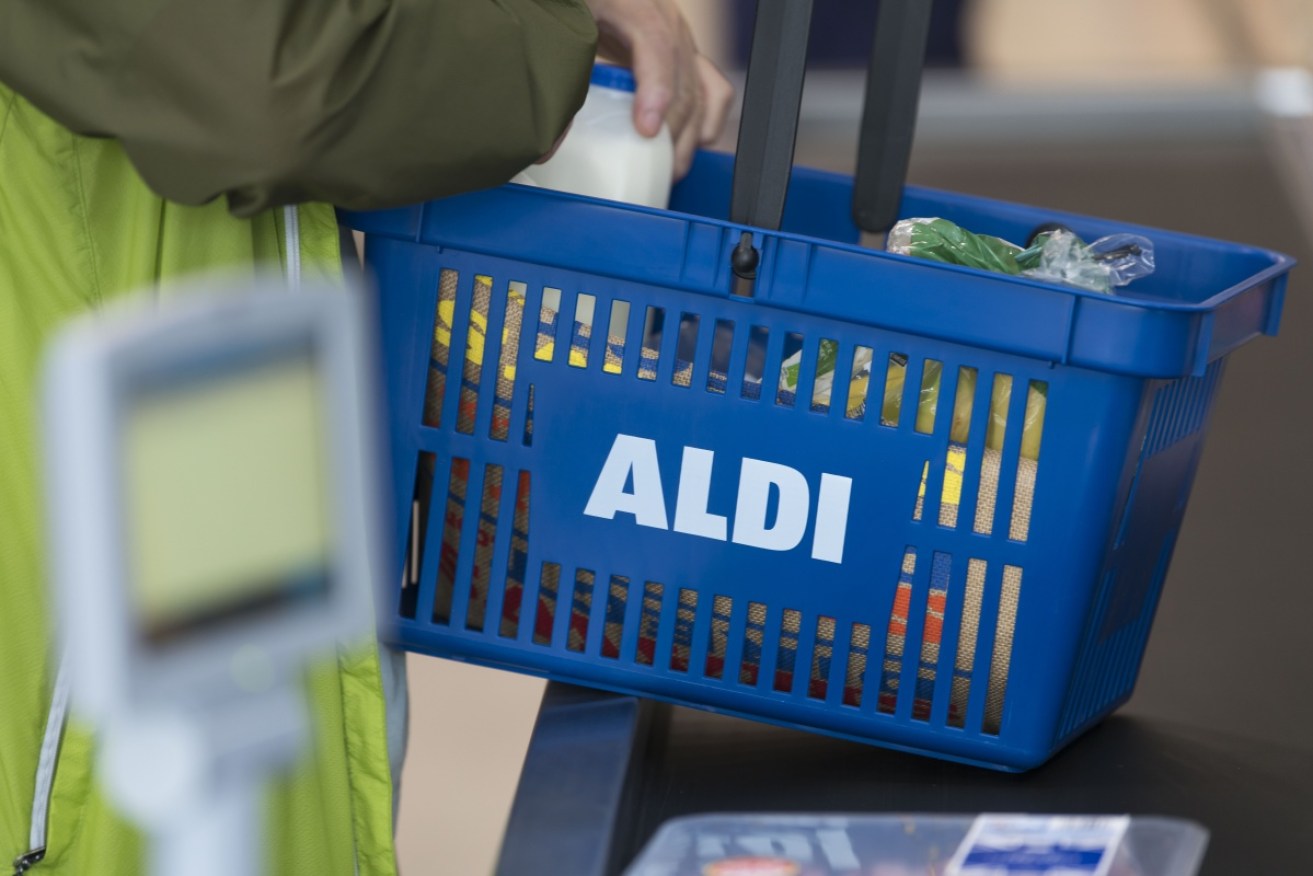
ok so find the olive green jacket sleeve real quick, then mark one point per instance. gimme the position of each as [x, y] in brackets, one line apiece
[361, 104]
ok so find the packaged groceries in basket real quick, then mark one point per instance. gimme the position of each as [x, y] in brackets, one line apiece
[915, 845]
[1053, 254]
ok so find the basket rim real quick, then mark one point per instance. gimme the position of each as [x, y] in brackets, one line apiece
[1280, 263]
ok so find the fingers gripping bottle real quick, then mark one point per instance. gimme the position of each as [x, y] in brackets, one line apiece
[603, 156]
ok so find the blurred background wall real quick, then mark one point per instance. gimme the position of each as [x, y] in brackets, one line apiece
[1154, 112]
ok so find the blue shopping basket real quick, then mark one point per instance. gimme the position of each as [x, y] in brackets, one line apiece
[953, 543]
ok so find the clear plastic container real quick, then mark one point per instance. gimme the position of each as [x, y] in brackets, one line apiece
[916, 845]
[603, 156]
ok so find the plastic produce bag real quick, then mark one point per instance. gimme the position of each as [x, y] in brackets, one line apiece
[1108, 262]
[1055, 255]
[943, 241]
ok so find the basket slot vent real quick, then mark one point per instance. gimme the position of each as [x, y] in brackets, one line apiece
[486, 537]
[919, 506]
[1123, 526]
[1180, 409]
[581, 334]
[786, 660]
[895, 385]
[964, 664]
[517, 563]
[544, 348]
[955, 458]
[860, 385]
[822, 656]
[987, 499]
[859, 649]
[504, 386]
[927, 407]
[581, 606]
[1109, 660]
[722, 343]
[682, 645]
[686, 348]
[617, 335]
[993, 479]
[993, 463]
[754, 639]
[440, 351]
[653, 323]
[613, 626]
[649, 623]
[1028, 467]
[528, 420]
[827, 370]
[754, 366]
[897, 644]
[722, 608]
[421, 502]
[476, 341]
[790, 370]
[549, 590]
[449, 553]
[932, 632]
[1000, 473]
[1000, 661]
[951, 490]
[896, 636]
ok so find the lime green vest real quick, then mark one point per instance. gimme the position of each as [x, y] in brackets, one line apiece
[77, 228]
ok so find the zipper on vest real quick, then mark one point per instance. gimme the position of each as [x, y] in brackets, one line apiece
[292, 247]
[27, 861]
[45, 773]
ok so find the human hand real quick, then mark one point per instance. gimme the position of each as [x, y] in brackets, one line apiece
[676, 84]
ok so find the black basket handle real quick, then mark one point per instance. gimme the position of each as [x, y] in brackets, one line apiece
[893, 91]
[772, 99]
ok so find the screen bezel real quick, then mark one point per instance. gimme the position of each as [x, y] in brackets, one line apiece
[88, 382]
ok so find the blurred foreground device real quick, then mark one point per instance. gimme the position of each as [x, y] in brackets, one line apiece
[211, 519]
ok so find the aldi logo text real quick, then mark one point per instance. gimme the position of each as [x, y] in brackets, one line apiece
[630, 483]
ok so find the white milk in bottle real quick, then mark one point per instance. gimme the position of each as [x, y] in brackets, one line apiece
[603, 156]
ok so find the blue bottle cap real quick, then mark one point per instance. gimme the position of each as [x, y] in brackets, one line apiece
[611, 76]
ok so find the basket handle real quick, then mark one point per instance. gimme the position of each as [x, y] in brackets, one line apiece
[893, 90]
[772, 98]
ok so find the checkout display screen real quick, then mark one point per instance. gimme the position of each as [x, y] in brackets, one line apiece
[227, 503]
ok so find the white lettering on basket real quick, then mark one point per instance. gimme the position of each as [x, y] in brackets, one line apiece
[756, 479]
[630, 483]
[691, 513]
[636, 457]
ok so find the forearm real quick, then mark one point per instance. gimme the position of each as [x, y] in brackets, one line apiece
[274, 101]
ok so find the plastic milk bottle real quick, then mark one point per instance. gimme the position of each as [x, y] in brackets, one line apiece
[603, 156]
